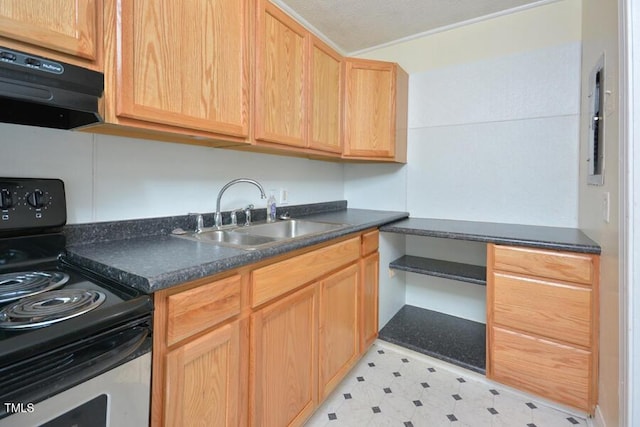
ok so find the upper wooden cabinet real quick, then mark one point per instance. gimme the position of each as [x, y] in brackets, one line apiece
[281, 74]
[298, 100]
[179, 65]
[376, 97]
[325, 103]
[67, 30]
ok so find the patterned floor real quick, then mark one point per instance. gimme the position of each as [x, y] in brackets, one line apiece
[392, 386]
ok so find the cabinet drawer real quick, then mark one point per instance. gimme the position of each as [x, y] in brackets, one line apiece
[555, 310]
[555, 371]
[370, 242]
[569, 266]
[197, 309]
[277, 279]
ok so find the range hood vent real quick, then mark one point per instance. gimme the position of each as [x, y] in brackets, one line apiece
[37, 91]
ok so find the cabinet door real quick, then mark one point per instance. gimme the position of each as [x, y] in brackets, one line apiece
[284, 360]
[325, 104]
[370, 108]
[67, 26]
[202, 380]
[184, 64]
[281, 71]
[339, 338]
[369, 300]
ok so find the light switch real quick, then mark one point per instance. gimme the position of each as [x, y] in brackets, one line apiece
[606, 206]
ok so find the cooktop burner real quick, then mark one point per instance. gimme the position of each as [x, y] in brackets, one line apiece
[49, 307]
[27, 283]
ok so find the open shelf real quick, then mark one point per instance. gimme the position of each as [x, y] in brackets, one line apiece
[449, 270]
[451, 339]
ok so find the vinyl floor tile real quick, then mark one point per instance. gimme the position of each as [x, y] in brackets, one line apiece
[393, 386]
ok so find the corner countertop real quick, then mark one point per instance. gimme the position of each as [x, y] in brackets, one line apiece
[152, 263]
[556, 238]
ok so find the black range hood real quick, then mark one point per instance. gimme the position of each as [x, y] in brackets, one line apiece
[40, 92]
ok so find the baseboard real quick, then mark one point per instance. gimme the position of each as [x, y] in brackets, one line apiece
[598, 419]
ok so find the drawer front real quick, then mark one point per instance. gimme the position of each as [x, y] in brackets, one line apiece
[277, 279]
[568, 266]
[554, 371]
[555, 310]
[370, 242]
[197, 309]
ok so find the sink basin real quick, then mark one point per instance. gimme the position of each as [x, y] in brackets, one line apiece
[262, 235]
[289, 229]
[230, 238]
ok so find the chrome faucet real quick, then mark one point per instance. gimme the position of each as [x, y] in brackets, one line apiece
[218, 216]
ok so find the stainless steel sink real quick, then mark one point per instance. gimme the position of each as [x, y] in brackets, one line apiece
[230, 238]
[261, 235]
[289, 229]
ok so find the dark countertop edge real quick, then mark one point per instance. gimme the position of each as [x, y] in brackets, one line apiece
[177, 277]
[588, 248]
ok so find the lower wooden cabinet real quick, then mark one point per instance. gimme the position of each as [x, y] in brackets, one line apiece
[263, 345]
[339, 332]
[202, 385]
[370, 266]
[542, 317]
[284, 360]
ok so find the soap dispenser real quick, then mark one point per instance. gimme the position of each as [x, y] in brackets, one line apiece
[271, 206]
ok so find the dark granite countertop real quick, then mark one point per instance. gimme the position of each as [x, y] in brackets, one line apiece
[153, 262]
[558, 238]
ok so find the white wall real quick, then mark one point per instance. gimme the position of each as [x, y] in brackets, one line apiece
[113, 178]
[600, 34]
[493, 134]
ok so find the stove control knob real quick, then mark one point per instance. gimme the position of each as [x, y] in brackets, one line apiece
[6, 200]
[36, 199]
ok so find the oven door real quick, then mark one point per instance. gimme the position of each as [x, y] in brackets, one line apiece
[116, 398]
[102, 380]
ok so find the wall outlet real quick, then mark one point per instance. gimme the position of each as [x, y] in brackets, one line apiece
[606, 206]
[284, 196]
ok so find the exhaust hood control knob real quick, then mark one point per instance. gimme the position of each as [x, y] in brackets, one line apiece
[6, 201]
[36, 199]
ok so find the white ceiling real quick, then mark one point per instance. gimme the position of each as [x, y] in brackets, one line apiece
[353, 26]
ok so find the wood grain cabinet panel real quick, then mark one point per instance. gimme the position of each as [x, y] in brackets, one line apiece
[325, 105]
[555, 310]
[284, 360]
[370, 266]
[375, 117]
[203, 383]
[182, 64]
[281, 77]
[558, 372]
[70, 27]
[568, 266]
[370, 242]
[339, 329]
[277, 279]
[200, 308]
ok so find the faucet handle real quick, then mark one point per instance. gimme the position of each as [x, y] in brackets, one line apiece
[234, 216]
[247, 215]
[199, 222]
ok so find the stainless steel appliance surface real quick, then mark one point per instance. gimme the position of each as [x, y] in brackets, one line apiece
[74, 347]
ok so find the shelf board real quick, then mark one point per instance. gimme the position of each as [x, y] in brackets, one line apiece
[454, 340]
[447, 269]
